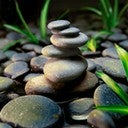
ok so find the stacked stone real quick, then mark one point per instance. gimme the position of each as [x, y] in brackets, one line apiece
[65, 64]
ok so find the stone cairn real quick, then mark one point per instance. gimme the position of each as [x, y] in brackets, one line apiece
[65, 64]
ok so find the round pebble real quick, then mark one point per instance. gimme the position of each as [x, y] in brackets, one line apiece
[4, 125]
[79, 109]
[58, 25]
[31, 112]
[53, 51]
[6, 83]
[65, 42]
[21, 57]
[99, 119]
[16, 69]
[37, 63]
[62, 70]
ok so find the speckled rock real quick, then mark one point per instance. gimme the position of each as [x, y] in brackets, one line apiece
[72, 31]
[6, 83]
[21, 57]
[16, 69]
[79, 109]
[124, 44]
[62, 70]
[37, 63]
[53, 51]
[104, 96]
[31, 112]
[4, 125]
[111, 66]
[65, 42]
[110, 52]
[99, 119]
[58, 25]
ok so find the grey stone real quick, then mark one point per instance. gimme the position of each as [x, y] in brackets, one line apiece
[100, 119]
[110, 52]
[53, 51]
[6, 83]
[37, 63]
[80, 108]
[58, 24]
[10, 53]
[65, 42]
[91, 65]
[13, 36]
[5, 125]
[3, 43]
[6, 63]
[31, 111]
[16, 69]
[107, 44]
[77, 126]
[2, 56]
[124, 44]
[62, 70]
[21, 57]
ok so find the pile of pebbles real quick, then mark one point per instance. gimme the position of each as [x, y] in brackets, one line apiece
[55, 86]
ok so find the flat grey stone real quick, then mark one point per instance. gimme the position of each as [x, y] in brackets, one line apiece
[53, 51]
[111, 66]
[21, 57]
[61, 70]
[72, 31]
[80, 108]
[68, 42]
[37, 63]
[124, 44]
[117, 37]
[10, 53]
[107, 44]
[4, 125]
[110, 52]
[16, 69]
[104, 96]
[6, 83]
[91, 65]
[31, 111]
[100, 119]
[58, 24]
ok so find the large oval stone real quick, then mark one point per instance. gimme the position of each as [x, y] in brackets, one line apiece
[69, 42]
[31, 112]
[62, 70]
[53, 51]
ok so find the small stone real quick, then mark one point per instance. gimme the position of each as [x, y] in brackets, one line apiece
[6, 63]
[13, 36]
[91, 65]
[2, 56]
[71, 42]
[111, 66]
[3, 43]
[107, 44]
[21, 57]
[110, 52]
[117, 37]
[10, 53]
[37, 63]
[100, 119]
[53, 51]
[124, 44]
[104, 96]
[58, 25]
[79, 109]
[16, 69]
[30, 76]
[4, 125]
[31, 111]
[6, 83]
[12, 95]
[77, 126]
[62, 70]
[72, 31]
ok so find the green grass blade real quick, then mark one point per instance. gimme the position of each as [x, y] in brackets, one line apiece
[114, 108]
[63, 14]
[113, 85]
[33, 37]
[43, 19]
[123, 55]
[11, 44]
[98, 12]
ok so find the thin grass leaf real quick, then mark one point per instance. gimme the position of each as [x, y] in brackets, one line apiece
[115, 10]
[43, 19]
[114, 108]
[98, 12]
[113, 85]
[30, 34]
[10, 44]
[63, 14]
[123, 54]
